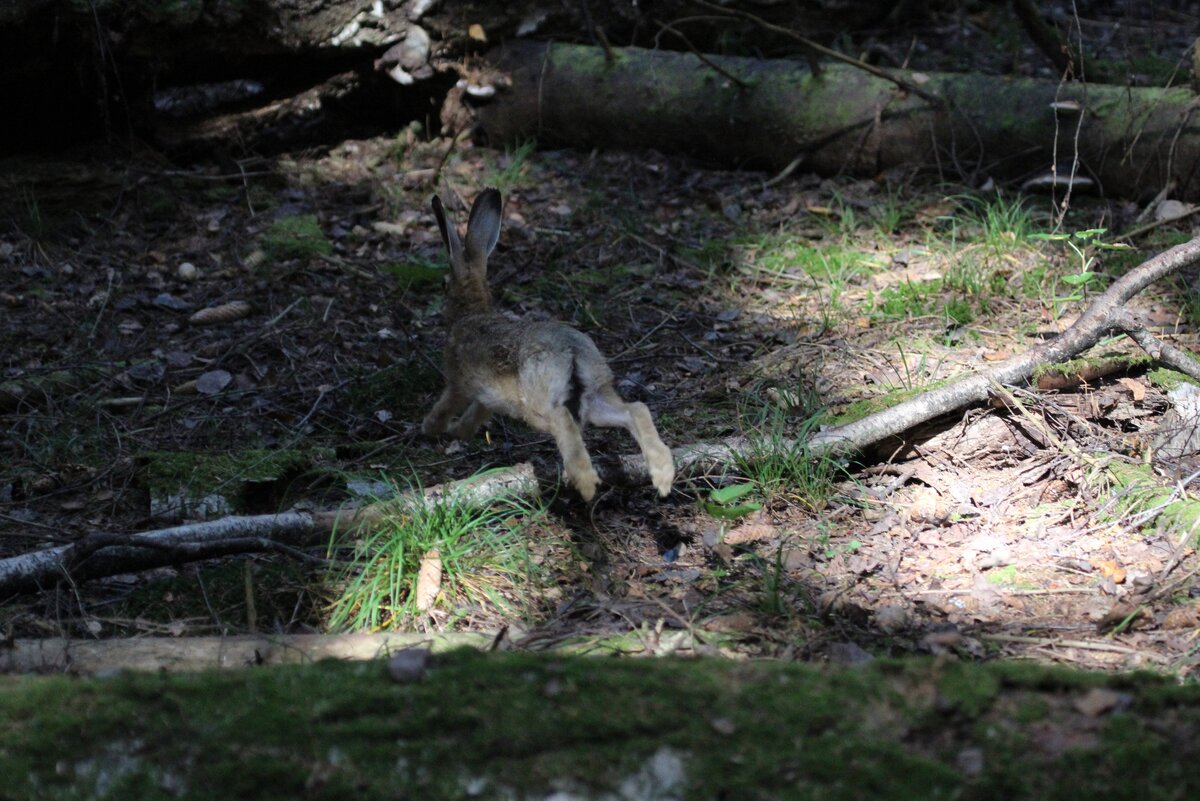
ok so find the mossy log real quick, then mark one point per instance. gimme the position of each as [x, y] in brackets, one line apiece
[471, 725]
[1131, 141]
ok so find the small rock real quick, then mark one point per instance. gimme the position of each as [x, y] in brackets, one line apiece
[408, 665]
[723, 726]
[848, 653]
[891, 618]
[1101, 700]
[187, 271]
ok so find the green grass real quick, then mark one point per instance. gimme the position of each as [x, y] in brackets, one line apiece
[297, 237]
[482, 550]
[780, 464]
[1001, 223]
[511, 171]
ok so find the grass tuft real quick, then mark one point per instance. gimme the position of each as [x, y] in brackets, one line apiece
[482, 550]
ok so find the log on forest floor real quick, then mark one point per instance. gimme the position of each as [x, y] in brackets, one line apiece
[532, 726]
[1132, 140]
[187, 654]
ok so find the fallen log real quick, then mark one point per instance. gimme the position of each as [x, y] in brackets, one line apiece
[179, 654]
[107, 554]
[1131, 141]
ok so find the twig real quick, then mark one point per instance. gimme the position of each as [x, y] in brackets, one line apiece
[703, 58]
[1137, 231]
[1051, 642]
[871, 69]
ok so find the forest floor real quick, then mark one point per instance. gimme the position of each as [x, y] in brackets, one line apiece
[729, 303]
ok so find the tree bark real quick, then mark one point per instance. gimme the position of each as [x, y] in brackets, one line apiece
[1132, 140]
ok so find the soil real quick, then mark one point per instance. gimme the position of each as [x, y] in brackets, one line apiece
[729, 302]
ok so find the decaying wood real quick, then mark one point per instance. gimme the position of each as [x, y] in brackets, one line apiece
[178, 654]
[1132, 140]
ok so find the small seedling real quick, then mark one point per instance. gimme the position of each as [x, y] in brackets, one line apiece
[1084, 244]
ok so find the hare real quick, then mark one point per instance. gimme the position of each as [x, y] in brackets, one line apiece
[545, 373]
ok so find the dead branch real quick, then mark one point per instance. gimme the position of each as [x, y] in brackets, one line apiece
[1045, 38]
[106, 554]
[1104, 315]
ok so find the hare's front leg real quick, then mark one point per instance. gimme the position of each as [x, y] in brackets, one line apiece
[576, 461]
[448, 405]
[608, 409]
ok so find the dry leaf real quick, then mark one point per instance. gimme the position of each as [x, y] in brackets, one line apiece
[1135, 387]
[225, 313]
[477, 33]
[732, 622]
[750, 532]
[212, 382]
[1182, 617]
[1110, 569]
[429, 580]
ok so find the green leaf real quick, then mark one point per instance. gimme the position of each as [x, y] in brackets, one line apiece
[730, 493]
[731, 512]
[1076, 280]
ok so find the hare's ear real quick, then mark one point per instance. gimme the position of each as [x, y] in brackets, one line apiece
[483, 229]
[449, 234]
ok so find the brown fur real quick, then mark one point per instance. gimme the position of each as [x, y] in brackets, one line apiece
[538, 372]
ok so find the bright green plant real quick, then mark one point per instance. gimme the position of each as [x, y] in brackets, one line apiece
[1084, 245]
[726, 503]
[481, 548]
[1004, 225]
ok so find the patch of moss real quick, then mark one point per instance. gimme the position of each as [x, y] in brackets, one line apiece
[298, 237]
[524, 725]
[865, 407]
[1169, 379]
[180, 478]
[1141, 489]
[414, 272]
[1087, 364]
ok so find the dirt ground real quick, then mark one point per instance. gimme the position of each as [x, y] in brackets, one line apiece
[728, 306]
[1053, 525]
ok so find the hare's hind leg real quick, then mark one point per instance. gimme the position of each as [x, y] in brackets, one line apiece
[576, 461]
[608, 409]
[448, 405]
[475, 416]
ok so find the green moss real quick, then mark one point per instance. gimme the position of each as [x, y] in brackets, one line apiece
[414, 272]
[524, 725]
[298, 237]
[1083, 365]
[180, 480]
[1142, 489]
[865, 407]
[1169, 379]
